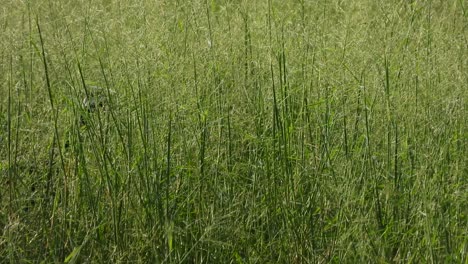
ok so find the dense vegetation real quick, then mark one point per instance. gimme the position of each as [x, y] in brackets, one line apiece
[234, 131]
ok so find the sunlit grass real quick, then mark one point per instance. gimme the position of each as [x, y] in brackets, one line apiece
[219, 132]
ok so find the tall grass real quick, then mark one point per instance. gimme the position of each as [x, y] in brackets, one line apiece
[243, 132]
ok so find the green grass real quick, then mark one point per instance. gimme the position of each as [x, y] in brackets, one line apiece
[234, 131]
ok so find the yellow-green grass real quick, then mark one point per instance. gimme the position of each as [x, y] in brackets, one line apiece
[234, 131]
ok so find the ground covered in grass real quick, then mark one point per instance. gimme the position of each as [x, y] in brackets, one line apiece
[222, 131]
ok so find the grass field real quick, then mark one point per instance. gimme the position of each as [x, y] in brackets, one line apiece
[234, 131]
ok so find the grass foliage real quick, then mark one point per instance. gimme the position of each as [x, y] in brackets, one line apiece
[233, 131]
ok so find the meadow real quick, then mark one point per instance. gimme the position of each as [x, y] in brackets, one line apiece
[234, 131]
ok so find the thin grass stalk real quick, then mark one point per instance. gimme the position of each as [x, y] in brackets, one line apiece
[167, 198]
[10, 175]
[56, 132]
